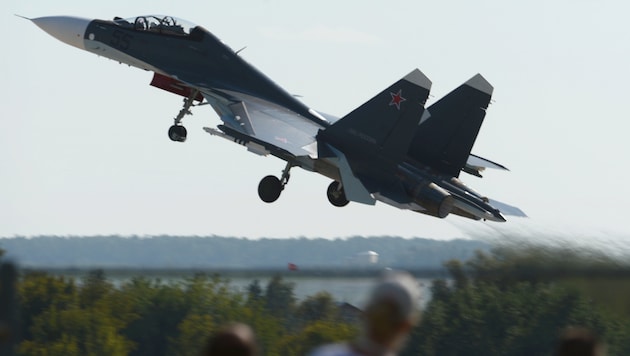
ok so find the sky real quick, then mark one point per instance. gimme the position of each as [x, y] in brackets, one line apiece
[84, 150]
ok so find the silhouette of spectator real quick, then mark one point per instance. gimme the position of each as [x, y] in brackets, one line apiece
[579, 342]
[391, 312]
[234, 340]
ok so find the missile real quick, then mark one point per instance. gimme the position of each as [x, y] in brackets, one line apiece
[251, 146]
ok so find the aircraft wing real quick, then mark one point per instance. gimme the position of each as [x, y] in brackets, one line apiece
[270, 125]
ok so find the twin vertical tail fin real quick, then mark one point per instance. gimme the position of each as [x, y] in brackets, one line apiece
[449, 128]
[385, 124]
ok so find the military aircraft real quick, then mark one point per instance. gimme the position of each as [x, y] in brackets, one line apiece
[389, 149]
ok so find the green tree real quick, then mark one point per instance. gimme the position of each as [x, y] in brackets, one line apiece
[279, 297]
[495, 304]
[320, 306]
[193, 333]
[39, 292]
[159, 310]
[61, 318]
[211, 303]
[316, 334]
[269, 329]
[95, 287]
[75, 331]
[254, 292]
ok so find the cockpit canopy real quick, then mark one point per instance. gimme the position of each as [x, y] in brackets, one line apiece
[157, 23]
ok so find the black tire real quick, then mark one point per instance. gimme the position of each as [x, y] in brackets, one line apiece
[177, 133]
[336, 196]
[269, 189]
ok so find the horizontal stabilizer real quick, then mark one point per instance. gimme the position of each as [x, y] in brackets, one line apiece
[507, 209]
[475, 165]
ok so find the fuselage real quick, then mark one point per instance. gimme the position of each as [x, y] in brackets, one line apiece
[195, 57]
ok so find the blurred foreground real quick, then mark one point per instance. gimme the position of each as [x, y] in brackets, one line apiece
[505, 302]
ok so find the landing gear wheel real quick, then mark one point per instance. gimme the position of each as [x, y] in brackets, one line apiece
[269, 189]
[336, 194]
[177, 133]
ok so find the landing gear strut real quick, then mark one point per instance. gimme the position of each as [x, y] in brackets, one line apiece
[336, 194]
[177, 132]
[270, 187]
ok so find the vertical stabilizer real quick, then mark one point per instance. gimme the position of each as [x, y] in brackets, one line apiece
[385, 124]
[449, 128]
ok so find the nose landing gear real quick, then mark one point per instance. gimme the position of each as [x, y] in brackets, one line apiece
[178, 132]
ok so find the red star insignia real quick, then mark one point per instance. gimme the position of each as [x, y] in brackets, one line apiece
[397, 99]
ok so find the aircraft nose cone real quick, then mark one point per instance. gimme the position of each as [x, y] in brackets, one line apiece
[67, 29]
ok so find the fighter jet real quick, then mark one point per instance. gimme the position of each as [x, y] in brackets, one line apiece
[390, 149]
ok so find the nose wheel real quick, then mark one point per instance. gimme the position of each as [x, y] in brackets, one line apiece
[270, 187]
[177, 132]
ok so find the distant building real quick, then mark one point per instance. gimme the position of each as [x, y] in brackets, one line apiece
[349, 313]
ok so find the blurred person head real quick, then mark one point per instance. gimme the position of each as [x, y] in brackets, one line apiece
[579, 342]
[391, 312]
[235, 339]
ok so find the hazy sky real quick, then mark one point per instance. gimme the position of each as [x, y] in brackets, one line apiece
[84, 150]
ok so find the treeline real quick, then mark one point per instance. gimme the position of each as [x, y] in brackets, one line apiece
[515, 302]
[144, 317]
[498, 303]
[230, 253]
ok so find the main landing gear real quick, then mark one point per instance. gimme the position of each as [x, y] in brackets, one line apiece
[177, 132]
[270, 187]
[336, 194]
